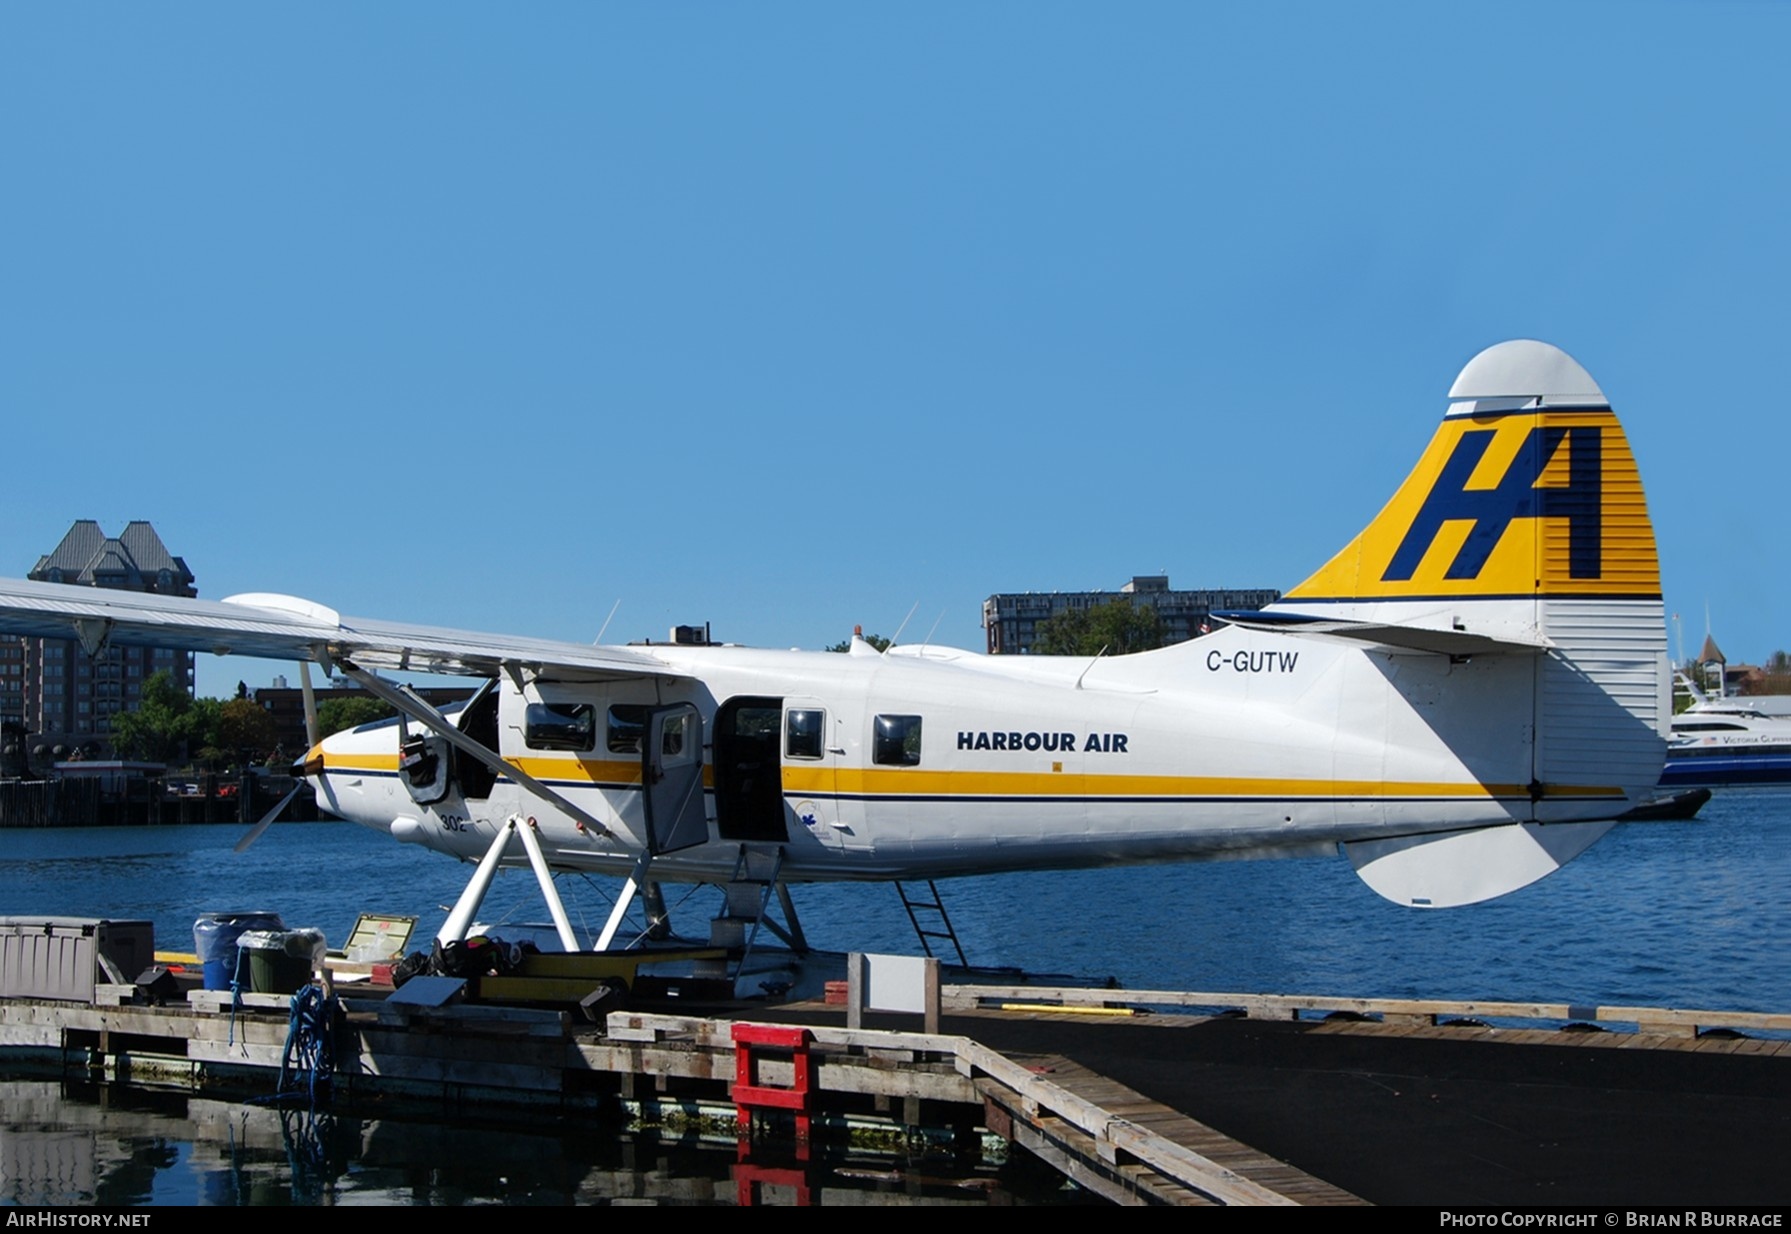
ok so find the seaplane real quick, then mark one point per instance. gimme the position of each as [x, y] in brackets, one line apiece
[1461, 700]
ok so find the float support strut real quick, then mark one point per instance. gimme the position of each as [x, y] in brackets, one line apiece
[467, 906]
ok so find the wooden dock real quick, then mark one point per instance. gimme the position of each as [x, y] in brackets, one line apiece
[1390, 1103]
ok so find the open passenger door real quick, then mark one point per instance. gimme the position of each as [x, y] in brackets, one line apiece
[672, 777]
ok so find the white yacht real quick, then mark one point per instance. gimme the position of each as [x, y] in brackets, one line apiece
[1730, 741]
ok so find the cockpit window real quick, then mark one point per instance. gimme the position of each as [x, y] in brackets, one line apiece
[803, 733]
[896, 742]
[560, 726]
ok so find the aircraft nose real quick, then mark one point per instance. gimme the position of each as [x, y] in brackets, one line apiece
[312, 765]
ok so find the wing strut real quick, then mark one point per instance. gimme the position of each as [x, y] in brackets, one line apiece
[407, 701]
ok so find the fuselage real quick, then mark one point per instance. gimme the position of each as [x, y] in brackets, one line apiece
[933, 763]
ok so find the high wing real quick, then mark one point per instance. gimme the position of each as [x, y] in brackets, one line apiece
[276, 627]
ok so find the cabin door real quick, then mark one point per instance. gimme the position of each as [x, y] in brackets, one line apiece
[749, 794]
[811, 754]
[672, 777]
[480, 722]
[431, 769]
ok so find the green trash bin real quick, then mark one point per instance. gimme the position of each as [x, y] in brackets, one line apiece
[280, 961]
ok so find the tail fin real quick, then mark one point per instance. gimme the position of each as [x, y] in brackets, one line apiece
[1523, 524]
[1527, 490]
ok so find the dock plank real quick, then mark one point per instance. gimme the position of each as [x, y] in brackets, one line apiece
[1196, 1138]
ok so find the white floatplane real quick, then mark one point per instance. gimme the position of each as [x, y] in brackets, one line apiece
[1461, 700]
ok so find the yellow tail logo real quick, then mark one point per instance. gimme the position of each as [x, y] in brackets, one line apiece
[1541, 501]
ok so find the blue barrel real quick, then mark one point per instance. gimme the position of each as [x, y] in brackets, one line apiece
[214, 939]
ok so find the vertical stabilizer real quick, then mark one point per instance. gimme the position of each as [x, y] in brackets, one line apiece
[1525, 520]
[1528, 489]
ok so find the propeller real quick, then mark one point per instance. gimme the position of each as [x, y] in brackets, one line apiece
[267, 820]
[311, 739]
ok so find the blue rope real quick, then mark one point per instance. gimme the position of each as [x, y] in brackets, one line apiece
[306, 1134]
[310, 1058]
[236, 994]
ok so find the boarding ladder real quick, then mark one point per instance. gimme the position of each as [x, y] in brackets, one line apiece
[935, 906]
[748, 893]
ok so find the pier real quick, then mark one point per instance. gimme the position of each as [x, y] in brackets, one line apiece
[1141, 1097]
[72, 800]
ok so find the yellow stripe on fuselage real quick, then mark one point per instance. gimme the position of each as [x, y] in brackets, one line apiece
[590, 771]
[872, 783]
[357, 761]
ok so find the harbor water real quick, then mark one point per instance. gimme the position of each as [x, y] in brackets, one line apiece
[1685, 914]
[1670, 914]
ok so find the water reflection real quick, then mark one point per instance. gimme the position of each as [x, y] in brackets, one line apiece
[71, 1143]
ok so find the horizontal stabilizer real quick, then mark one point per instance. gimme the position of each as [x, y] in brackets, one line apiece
[1466, 867]
[1390, 636]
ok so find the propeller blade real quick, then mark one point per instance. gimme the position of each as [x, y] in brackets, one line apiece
[267, 820]
[311, 737]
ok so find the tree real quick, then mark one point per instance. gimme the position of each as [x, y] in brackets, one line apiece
[1118, 626]
[205, 742]
[336, 714]
[1774, 678]
[159, 727]
[245, 730]
[875, 640]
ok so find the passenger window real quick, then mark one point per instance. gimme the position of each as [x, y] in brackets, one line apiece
[627, 721]
[896, 742]
[560, 726]
[803, 733]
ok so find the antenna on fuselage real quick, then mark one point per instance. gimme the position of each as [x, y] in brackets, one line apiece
[928, 640]
[910, 617]
[1091, 664]
[612, 616]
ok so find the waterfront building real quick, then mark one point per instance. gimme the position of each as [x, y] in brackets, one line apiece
[1010, 619]
[65, 696]
[12, 682]
[1725, 679]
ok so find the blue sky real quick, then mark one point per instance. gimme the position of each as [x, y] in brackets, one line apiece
[788, 317]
